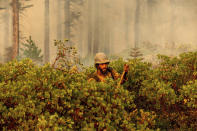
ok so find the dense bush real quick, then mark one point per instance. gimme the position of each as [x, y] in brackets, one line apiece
[44, 97]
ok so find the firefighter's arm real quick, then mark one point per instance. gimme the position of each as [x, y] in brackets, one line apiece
[124, 74]
[116, 75]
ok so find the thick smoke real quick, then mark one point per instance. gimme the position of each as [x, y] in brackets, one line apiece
[111, 26]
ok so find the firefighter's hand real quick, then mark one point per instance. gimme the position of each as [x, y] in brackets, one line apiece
[126, 68]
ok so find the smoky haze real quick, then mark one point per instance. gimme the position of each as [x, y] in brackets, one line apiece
[111, 26]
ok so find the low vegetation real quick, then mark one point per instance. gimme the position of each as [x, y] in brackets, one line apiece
[50, 97]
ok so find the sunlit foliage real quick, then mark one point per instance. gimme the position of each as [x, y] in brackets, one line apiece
[46, 98]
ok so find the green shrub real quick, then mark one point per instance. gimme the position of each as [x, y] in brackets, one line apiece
[47, 98]
[35, 97]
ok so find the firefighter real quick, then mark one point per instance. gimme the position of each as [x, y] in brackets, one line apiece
[104, 71]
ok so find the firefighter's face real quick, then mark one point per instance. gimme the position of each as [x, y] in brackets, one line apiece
[103, 67]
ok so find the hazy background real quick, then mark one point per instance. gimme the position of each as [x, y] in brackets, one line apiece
[111, 26]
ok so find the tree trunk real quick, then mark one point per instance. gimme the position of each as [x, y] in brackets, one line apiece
[89, 27]
[59, 20]
[172, 22]
[46, 33]
[137, 20]
[128, 17]
[67, 19]
[151, 29]
[105, 23]
[15, 7]
[6, 29]
[97, 26]
[106, 40]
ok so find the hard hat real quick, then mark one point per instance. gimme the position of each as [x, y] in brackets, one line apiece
[101, 58]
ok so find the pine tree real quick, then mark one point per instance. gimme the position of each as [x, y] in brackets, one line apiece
[135, 53]
[31, 51]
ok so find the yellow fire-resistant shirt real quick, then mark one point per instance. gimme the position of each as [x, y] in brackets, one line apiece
[110, 73]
